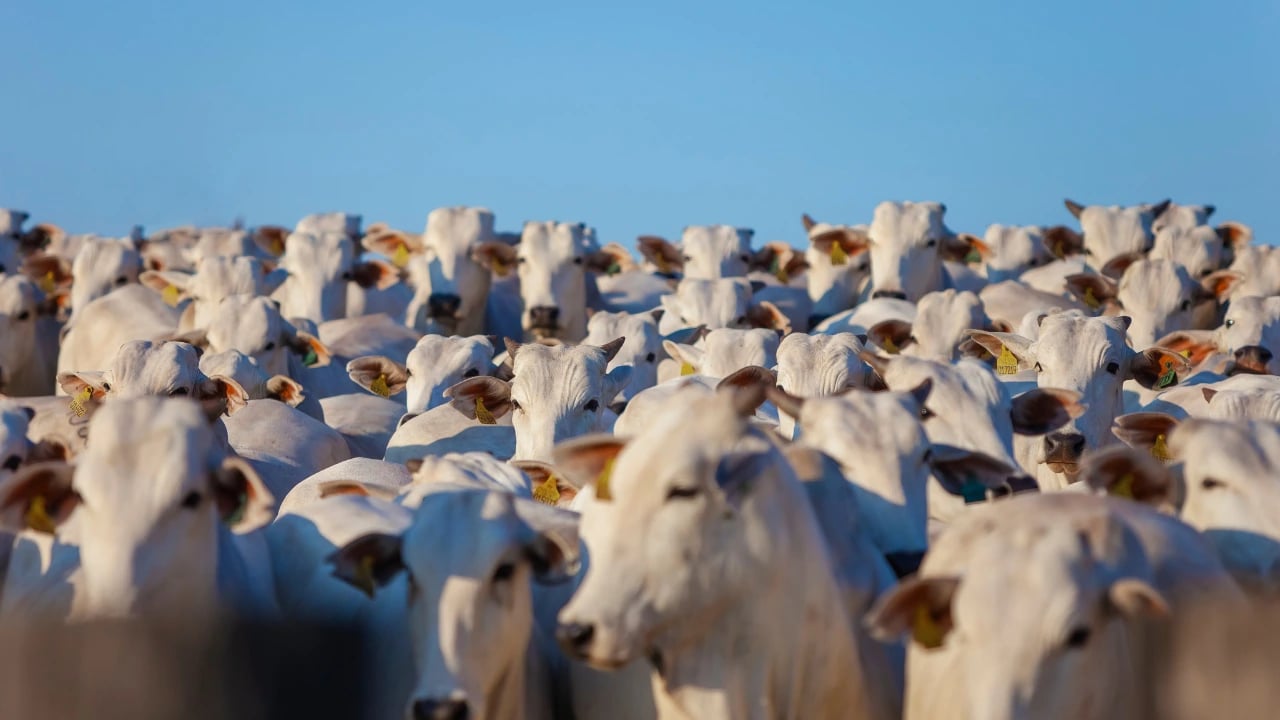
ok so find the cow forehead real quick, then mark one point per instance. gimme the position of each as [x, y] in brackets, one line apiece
[551, 240]
[459, 226]
[540, 364]
[233, 364]
[906, 221]
[460, 533]
[725, 238]
[142, 449]
[1067, 335]
[242, 321]
[883, 420]
[700, 291]
[155, 363]
[17, 293]
[304, 250]
[1155, 274]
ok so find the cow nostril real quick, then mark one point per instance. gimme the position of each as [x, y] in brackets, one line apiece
[544, 316]
[1070, 445]
[575, 637]
[894, 294]
[446, 709]
[443, 305]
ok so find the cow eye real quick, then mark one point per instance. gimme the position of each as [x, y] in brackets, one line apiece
[471, 372]
[746, 259]
[12, 463]
[681, 493]
[592, 405]
[1212, 484]
[505, 572]
[1113, 367]
[577, 261]
[25, 314]
[515, 405]
[1078, 638]
[122, 280]
[1038, 368]
[106, 387]
[1229, 323]
[932, 243]
[1186, 305]
[179, 392]
[520, 260]
[926, 413]
[650, 357]
[191, 501]
[687, 258]
[269, 346]
[346, 275]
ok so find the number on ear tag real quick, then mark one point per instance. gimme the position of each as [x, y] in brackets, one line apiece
[78, 402]
[925, 630]
[1160, 450]
[1007, 362]
[838, 255]
[482, 413]
[547, 491]
[379, 386]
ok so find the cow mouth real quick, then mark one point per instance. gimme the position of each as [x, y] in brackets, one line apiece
[543, 332]
[1246, 366]
[1064, 467]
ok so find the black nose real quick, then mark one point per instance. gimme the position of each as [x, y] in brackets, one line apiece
[544, 317]
[895, 294]
[1063, 447]
[816, 320]
[575, 637]
[431, 709]
[441, 305]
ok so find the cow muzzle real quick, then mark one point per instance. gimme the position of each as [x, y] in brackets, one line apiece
[443, 306]
[544, 318]
[440, 709]
[1063, 450]
[1250, 360]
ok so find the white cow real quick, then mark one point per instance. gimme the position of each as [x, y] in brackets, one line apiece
[720, 508]
[817, 365]
[1199, 249]
[1110, 232]
[101, 266]
[1260, 267]
[319, 269]
[254, 326]
[726, 351]
[938, 329]
[1089, 356]
[1013, 250]
[837, 267]
[130, 313]
[642, 349]
[1182, 217]
[25, 361]
[1250, 334]
[144, 521]
[1081, 571]
[722, 303]
[214, 279]
[908, 243]
[435, 364]
[707, 252]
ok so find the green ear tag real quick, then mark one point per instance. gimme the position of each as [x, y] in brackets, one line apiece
[973, 257]
[613, 269]
[1169, 377]
[310, 358]
[234, 518]
[973, 491]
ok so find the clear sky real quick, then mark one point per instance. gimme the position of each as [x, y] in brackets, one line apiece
[636, 117]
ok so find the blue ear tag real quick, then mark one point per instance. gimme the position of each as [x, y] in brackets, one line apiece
[973, 491]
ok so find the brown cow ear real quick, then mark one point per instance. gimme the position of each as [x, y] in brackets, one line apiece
[368, 562]
[1216, 286]
[765, 314]
[378, 374]
[1142, 430]
[920, 606]
[1063, 242]
[375, 274]
[1158, 367]
[1194, 345]
[549, 487]
[314, 353]
[1122, 471]
[1234, 234]
[220, 394]
[243, 500]
[661, 253]
[964, 248]
[1073, 207]
[1095, 291]
[1043, 410]
[588, 461]
[482, 398]
[286, 390]
[271, 239]
[38, 497]
[890, 335]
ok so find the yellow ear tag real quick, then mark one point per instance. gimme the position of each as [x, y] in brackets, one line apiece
[38, 517]
[78, 402]
[482, 413]
[602, 482]
[838, 255]
[1160, 450]
[401, 256]
[661, 263]
[1091, 300]
[500, 268]
[1123, 487]
[47, 283]
[1186, 354]
[1007, 362]
[925, 630]
[170, 295]
[364, 576]
[889, 345]
[686, 369]
[379, 386]
[547, 491]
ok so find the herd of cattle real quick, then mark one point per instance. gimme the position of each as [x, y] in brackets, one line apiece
[902, 471]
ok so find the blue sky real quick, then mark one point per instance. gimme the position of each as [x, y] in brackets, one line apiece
[639, 118]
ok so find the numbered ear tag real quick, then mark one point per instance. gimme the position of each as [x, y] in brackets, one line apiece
[889, 345]
[686, 369]
[401, 256]
[547, 491]
[79, 400]
[602, 482]
[1091, 300]
[838, 255]
[48, 283]
[1006, 362]
[37, 517]
[925, 630]
[1123, 487]
[1160, 450]
[500, 268]
[482, 413]
[170, 295]
[379, 386]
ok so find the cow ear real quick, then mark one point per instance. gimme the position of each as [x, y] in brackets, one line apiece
[1143, 430]
[661, 253]
[587, 461]
[392, 244]
[1234, 234]
[749, 376]
[785, 402]
[841, 244]
[270, 239]
[890, 335]
[47, 450]
[808, 222]
[375, 274]
[1194, 345]
[548, 486]
[314, 353]
[48, 271]
[956, 468]
[1152, 367]
[220, 394]
[996, 342]
[1094, 291]
[1073, 207]
[378, 374]
[243, 500]
[198, 339]
[685, 336]
[162, 281]
[368, 562]
[329, 488]
[38, 497]
[765, 314]
[1125, 472]
[285, 390]
[496, 257]
[1116, 266]
[550, 541]
[1136, 599]
[963, 247]
[1218, 285]
[615, 381]
[484, 398]
[919, 606]
[602, 261]
[690, 357]
[1063, 242]
[76, 383]
[1043, 410]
